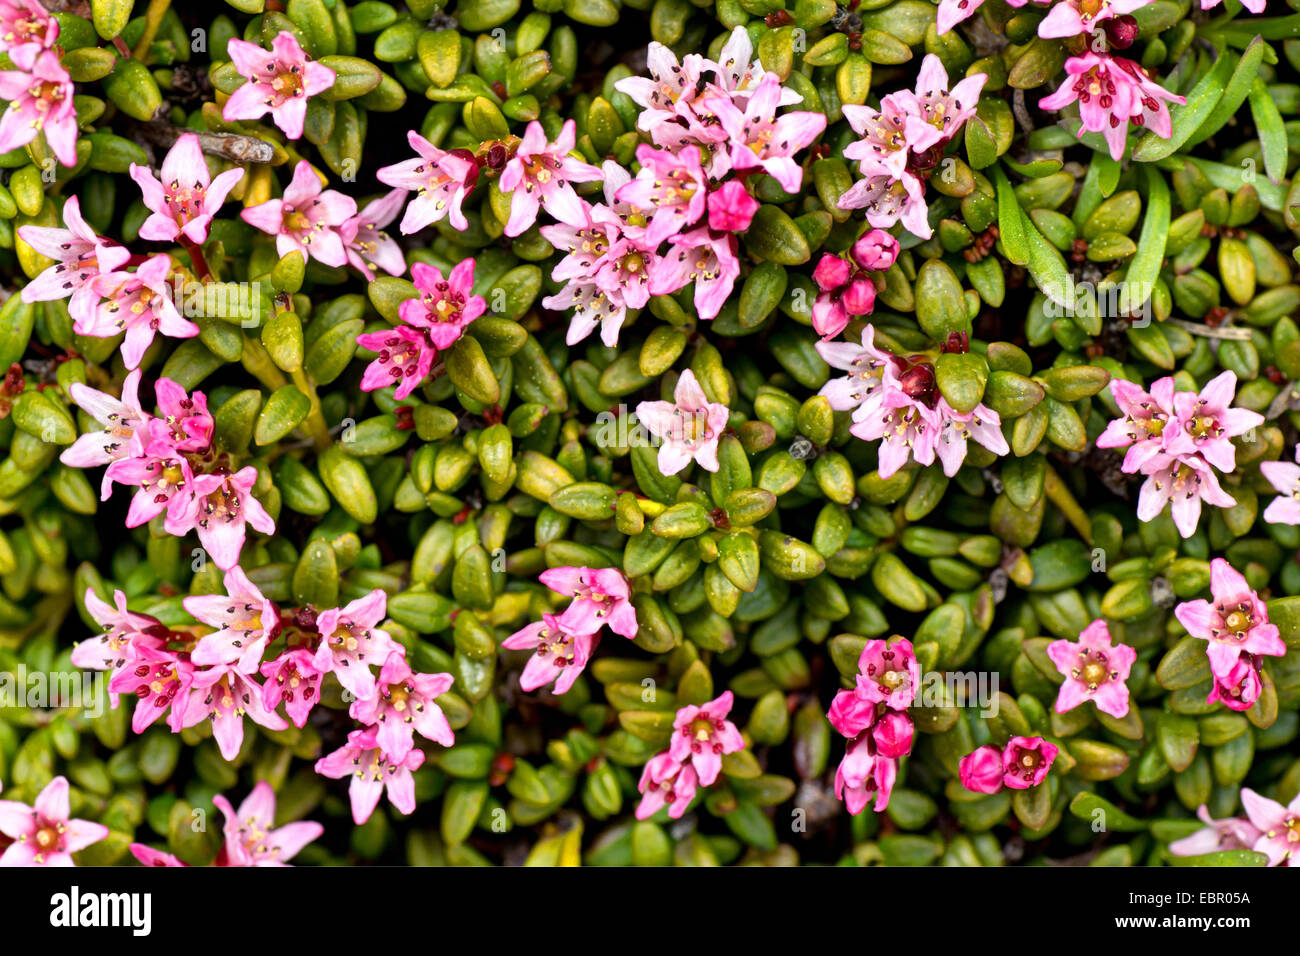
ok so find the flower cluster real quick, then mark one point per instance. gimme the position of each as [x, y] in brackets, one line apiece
[1269, 828]
[702, 736]
[1023, 763]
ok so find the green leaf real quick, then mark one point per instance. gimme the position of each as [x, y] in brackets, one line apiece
[1188, 117]
[1144, 268]
[1272, 133]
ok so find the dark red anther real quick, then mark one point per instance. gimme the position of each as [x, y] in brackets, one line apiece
[719, 519]
[1274, 374]
[1079, 250]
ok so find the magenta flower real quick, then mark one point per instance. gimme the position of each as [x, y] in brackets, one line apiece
[1206, 423]
[559, 654]
[888, 673]
[1239, 687]
[185, 418]
[40, 101]
[402, 355]
[981, 770]
[851, 713]
[673, 185]
[251, 836]
[225, 696]
[184, 198]
[26, 30]
[689, 426]
[245, 621]
[279, 82]
[1182, 482]
[366, 242]
[864, 773]
[45, 834]
[406, 704]
[541, 174]
[294, 679]
[1110, 91]
[1279, 826]
[1229, 834]
[163, 478]
[761, 140]
[440, 180]
[1285, 477]
[1026, 760]
[702, 257]
[306, 219]
[892, 734]
[731, 208]
[372, 772]
[351, 641]
[123, 434]
[138, 303]
[703, 734]
[953, 12]
[666, 782]
[157, 677]
[1093, 670]
[81, 257]
[1235, 623]
[1142, 428]
[445, 306]
[220, 507]
[114, 650]
[600, 598]
[1071, 17]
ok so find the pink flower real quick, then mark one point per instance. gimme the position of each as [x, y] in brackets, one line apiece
[372, 772]
[945, 110]
[673, 185]
[739, 74]
[600, 598]
[294, 679]
[1093, 670]
[666, 782]
[220, 507]
[702, 257]
[1285, 477]
[115, 649]
[1254, 6]
[875, 250]
[731, 208]
[847, 286]
[1072, 17]
[1279, 827]
[599, 254]
[955, 428]
[225, 696]
[1110, 91]
[888, 200]
[406, 704]
[981, 770]
[689, 426]
[45, 834]
[953, 12]
[366, 242]
[1229, 834]
[1026, 760]
[440, 180]
[251, 839]
[1239, 687]
[186, 198]
[1235, 623]
[157, 677]
[904, 427]
[865, 365]
[26, 30]
[591, 306]
[559, 654]
[702, 735]
[245, 621]
[138, 303]
[445, 306]
[1145, 416]
[666, 95]
[851, 713]
[351, 641]
[761, 140]
[888, 673]
[541, 174]
[148, 856]
[123, 434]
[403, 355]
[279, 82]
[40, 101]
[164, 479]
[187, 425]
[888, 134]
[1184, 481]
[1206, 423]
[81, 257]
[863, 773]
[307, 218]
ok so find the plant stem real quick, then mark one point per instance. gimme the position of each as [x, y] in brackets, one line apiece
[153, 15]
[1059, 495]
[197, 259]
[314, 424]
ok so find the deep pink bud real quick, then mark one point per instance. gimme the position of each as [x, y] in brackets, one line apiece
[731, 208]
[918, 382]
[1121, 31]
[860, 297]
[831, 273]
[981, 771]
[893, 734]
[876, 250]
[851, 714]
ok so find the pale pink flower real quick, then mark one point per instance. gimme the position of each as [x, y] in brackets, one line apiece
[672, 185]
[138, 303]
[1218, 835]
[1110, 91]
[372, 772]
[1206, 423]
[81, 257]
[279, 82]
[307, 219]
[1235, 623]
[163, 478]
[888, 134]
[981, 770]
[160, 679]
[703, 734]
[865, 365]
[40, 101]
[600, 599]
[294, 679]
[1185, 482]
[667, 94]
[1254, 6]
[739, 73]
[148, 856]
[559, 653]
[406, 704]
[115, 649]
[366, 242]
[904, 427]
[220, 507]
[1069, 18]
[351, 641]
[888, 200]
[944, 110]
[1285, 477]
[702, 257]
[541, 174]
[591, 306]
[955, 428]
[184, 197]
[689, 426]
[439, 178]
[851, 713]
[252, 839]
[123, 433]
[1145, 416]
[26, 29]
[665, 782]
[864, 773]
[44, 834]
[1026, 760]
[598, 253]
[246, 621]
[1279, 827]
[445, 307]
[760, 139]
[225, 696]
[731, 208]
[953, 12]
[1239, 687]
[1093, 670]
[888, 673]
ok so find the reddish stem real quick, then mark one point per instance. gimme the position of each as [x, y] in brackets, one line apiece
[196, 259]
[122, 48]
